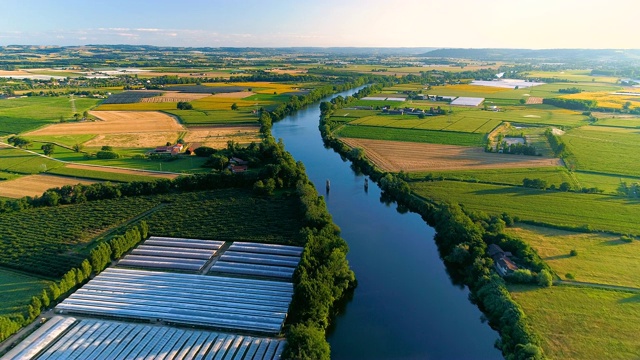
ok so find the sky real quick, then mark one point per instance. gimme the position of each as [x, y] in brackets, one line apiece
[533, 24]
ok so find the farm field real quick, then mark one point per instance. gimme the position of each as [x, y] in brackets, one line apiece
[600, 212]
[573, 75]
[25, 114]
[460, 123]
[218, 136]
[605, 182]
[66, 140]
[617, 120]
[35, 185]
[214, 117]
[510, 176]
[607, 99]
[616, 149]
[230, 215]
[113, 122]
[410, 157]
[174, 97]
[148, 140]
[411, 135]
[15, 287]
[25, 162]
[601, 259]
[109, 174]
[571, 321]
[51, 240]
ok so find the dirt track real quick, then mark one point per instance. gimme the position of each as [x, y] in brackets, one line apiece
[408, 156]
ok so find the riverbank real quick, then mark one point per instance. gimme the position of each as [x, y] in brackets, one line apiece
[462, 243]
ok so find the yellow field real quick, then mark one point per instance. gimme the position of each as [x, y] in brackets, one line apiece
[607, 99]
[133, 140]
[220, 103]
[35, 185]
[218, 136]
[270, 87]
[115, 122]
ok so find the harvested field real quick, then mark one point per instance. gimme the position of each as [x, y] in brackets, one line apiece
[133, 140]
[124, 171]
[35, 185]
[217, 136]
[532, 100]
[408, 156]
[115, 122]
[234, 95]
[175, 96]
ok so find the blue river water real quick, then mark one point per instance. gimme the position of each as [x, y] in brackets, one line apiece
[405, 305]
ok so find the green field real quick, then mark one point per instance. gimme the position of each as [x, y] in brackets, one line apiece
[214, 117]
[605, 149]
[602, 259]
[441, 122]
[633, 123]
[99, 175]
[20, 161]
[233, 214]
[608, 183]
[24, 114]
[582, 323]
[16, 289]
[411, 135]
[8, 176]
[574, 75]
[513, 176]
[67, 140]
[601, 212]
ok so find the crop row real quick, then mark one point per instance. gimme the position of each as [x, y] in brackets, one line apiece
[50, 241]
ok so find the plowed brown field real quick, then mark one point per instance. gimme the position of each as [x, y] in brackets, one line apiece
[408, 156]
[115, 122]
[531, 100]
[35, 185]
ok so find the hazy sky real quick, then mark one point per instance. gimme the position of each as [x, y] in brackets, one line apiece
[273, 23]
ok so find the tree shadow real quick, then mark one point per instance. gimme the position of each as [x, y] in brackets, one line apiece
[632, 299]
[613, 242]
[557, 257]
[507, 190]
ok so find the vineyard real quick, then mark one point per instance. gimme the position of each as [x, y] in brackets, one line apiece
[229, 214]
[50, 241]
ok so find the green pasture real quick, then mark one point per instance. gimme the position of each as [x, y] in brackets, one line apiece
[607, 182]
[583, 75]
[99, 175]
[601, 259]
[21, 161]
[582, 323]
[600, 212]
[625, 122]
[214, 117]
[16, 290]
[440, 122]
[412, 135]
[510, 176]
[355, 113]
[67, 140]
[25, 114]
[605, 149]
[8, 176]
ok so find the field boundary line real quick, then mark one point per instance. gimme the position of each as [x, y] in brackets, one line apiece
[596, 285]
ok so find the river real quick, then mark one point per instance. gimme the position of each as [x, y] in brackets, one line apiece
[405, 305]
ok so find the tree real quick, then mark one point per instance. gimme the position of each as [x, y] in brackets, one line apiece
[544, 278]
[76, 116]
[19, 142]
[234, 106]
[306, 342]
[626, 105]
[47, 149]
[523, 101]
[184, 105]
[85, 114]
[78, 147]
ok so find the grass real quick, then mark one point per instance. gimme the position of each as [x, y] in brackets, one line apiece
[20, 161]
[411, 135]
[608, 183]
[600, 212]
[16, 289]
[441, 122]
[68, 140]
[8, 176]
[177, 164]
[605, 149]
[99, 175]
[25, 114]
[574, 75]
[626, 122]
[602, 259]
[582, 323]
[553, 175]
[214, 117]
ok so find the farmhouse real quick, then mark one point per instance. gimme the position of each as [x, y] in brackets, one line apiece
[502, 263]
[169, 150]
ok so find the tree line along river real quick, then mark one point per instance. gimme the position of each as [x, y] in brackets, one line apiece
[405, 305]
